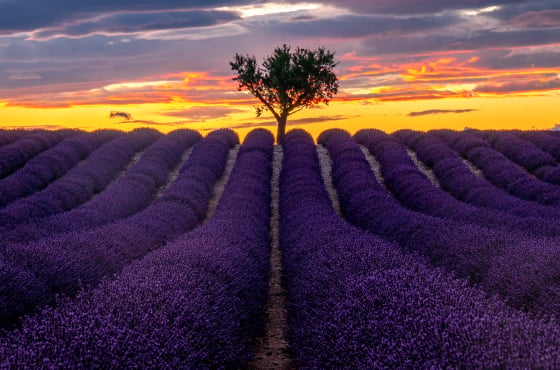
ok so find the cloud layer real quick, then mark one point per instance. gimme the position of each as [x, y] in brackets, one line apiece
[62, 54]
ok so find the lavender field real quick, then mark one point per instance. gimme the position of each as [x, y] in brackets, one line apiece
[373, 250]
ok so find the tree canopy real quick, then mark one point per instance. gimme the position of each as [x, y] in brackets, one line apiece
[288, 81]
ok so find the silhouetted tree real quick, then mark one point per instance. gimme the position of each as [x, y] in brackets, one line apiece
[288, 81]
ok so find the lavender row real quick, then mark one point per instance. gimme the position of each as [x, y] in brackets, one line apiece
[196, 302]
[81, 183]
[526, 154]
[51, 164]
[129, 194]
[10, 136]
[499, 170]
[414, 191]
[483, 255]
[33, 274]
[15, 155]
[457, 179]
[356, 301]
[545, 140]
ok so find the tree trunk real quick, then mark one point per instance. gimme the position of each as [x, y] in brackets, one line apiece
[281, 129]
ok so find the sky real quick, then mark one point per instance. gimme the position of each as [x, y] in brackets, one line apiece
[165, 64]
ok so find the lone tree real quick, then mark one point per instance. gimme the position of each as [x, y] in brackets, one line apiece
[288, 81]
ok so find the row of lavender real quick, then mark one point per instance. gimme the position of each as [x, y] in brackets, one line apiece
[19, 148]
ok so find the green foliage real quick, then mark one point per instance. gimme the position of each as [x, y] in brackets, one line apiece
[288, 81]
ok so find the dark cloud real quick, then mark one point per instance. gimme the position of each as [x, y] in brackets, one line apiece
[153, 123]
[126, 116]
[28, 15]
[420, 93]
[310, 120]
[125, 23]
[505, 59]
[350, 26]
[513, 9]
[520, 86]
[247, 125]
[537, 19]
[415, 6]
[440, 111]
[476, 40]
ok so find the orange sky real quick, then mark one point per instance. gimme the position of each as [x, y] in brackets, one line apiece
[426, 101]
[452, 66]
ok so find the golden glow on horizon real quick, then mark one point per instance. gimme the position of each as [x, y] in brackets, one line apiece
[372, 95]
[536, 112]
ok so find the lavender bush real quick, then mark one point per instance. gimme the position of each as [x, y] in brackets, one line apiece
[16, 154]
[10, 136]
[545, 140]
[51, 164]
[82, 182]
[457, 179]
[526, 154]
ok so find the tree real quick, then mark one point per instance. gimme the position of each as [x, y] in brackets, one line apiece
[288, 81]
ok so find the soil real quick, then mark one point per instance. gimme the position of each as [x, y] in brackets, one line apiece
[271, 350]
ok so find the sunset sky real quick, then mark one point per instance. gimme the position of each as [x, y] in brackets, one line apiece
[165, 64]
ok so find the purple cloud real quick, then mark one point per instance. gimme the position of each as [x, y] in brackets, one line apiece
[537, 19]
[520, 86]
[440, 111]
[126, 23]
[28, 15]
[350, 26]
[202, 113]
[415, 6]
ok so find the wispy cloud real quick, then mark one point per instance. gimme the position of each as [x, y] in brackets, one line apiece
[530, 85]
[543, 18]
[203, 113]
[440, 111]
[28, 15]
[137, 22]
[25, 76]
[291, 123]
[35, 127]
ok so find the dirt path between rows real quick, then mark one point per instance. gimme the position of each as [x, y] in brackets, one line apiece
[271, 351]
